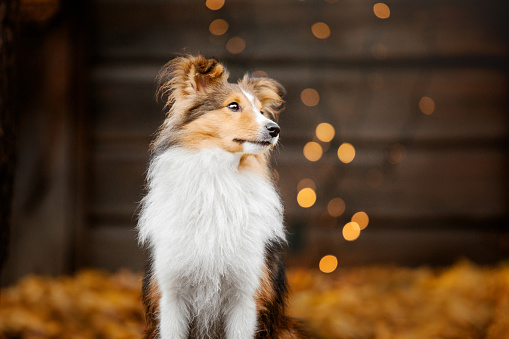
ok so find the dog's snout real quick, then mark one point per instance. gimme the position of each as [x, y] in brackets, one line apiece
[273, 129]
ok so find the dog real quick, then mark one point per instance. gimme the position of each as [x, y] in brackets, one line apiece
[212, 218]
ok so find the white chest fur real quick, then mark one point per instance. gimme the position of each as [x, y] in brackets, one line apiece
[207, 224]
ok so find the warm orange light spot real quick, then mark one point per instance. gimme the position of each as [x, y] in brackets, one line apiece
[336, 207]
[381, 10]
[396, 153]
[313, 151]
[346, 152]
[218, 27]
[320, 30]
[235, 45]
[427, 105]
[306, 183]
[328, 264]
[351, 231]
[214, 4]
[310, 97]
[259, 73]
[306, 197]
[362, 219]
[325, 132]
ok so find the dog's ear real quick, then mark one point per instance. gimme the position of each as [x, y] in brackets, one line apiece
[189, 75]
[268, 91]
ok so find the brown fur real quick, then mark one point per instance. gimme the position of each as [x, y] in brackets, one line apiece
[151, 296]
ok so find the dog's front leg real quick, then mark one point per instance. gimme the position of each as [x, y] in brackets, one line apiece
[174, 316]
[241, 317]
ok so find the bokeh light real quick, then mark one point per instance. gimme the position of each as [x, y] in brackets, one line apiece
[235, 45]
[346, 153]
[218, 27]
[328, 264]
[214, 4]
[260, 73]
[379, 51]
[381, 10]
[336, 207]
[320, 30]
[351, 231]
[306, 183]
[325, 132]
[310, 97]
[427, 105]
[306, 197]
[396, 153]
[313, 151]
[362, 219]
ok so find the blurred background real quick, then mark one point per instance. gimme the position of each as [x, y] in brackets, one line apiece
[397, 110]
[393, 156]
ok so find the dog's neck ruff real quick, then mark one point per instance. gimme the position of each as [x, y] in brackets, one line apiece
[200, 201]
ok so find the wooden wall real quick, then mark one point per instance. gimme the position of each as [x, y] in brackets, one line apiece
[447, 198]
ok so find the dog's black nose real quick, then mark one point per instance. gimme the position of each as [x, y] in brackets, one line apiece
[273, 129]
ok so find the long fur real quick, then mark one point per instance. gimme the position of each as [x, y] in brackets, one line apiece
[212, 219]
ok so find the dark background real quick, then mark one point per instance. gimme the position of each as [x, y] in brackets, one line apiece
[434, 186]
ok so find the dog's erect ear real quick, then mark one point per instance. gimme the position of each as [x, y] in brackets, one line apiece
[189, 75]
[268, 91]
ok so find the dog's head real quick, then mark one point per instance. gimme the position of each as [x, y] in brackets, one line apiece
[205, 110]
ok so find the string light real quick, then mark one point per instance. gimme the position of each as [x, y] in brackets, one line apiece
[325, 132]
[427, 105]
[310, 97]
[214, 4]
[346, 153]
[306, 197]
[313, 151]
[218, 27]
[306, 183]
[381, 10]
[320, 30]
[351, 231]
[362, 219]
[336, 207]
[328, 264]
[235, 45]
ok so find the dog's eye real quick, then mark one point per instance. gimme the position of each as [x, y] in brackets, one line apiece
[235, 107]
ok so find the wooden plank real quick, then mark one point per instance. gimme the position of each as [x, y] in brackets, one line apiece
[377, 104]
[281, 29]
[111, 248]
[426, 184]
[409, 247]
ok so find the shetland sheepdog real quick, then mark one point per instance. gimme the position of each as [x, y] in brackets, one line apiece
[212, 218]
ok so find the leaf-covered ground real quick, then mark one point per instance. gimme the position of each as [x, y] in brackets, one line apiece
[463, 301]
